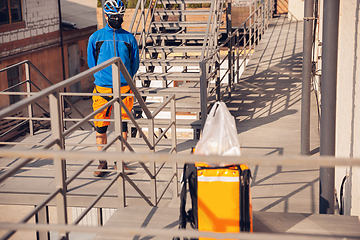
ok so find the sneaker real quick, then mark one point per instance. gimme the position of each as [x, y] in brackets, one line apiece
[102, 165]
[125, 166]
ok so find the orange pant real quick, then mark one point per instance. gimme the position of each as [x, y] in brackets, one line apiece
[99, 101]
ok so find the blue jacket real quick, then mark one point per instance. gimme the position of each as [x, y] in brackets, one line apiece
[101, 48]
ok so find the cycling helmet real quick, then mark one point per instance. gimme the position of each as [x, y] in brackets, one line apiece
[112, 7]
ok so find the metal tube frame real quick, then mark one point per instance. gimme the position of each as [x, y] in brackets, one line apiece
[306, 77]
[328, 103]
[58, 134]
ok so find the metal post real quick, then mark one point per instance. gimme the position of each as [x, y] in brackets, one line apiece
[258, 27]
[42, 217]
[174, 145]
[143, 25]
[250, 29]
[255, 26]
[217, 80]
[152, 165]
[262, 20]
[267, 13]
[306, 77]
[100, 216]
[328, 103]
[59, 164]
[229, 30]
[237, 56]
[28, 89]
[118, 131]
[244, 47]
[203, 92]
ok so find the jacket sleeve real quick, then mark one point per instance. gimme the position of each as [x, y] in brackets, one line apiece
[91, 52]
[134, 57]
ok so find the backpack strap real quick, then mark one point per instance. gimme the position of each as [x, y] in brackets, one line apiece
[182, 217]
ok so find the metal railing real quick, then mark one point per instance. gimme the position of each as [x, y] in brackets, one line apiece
[59, 134]
[64, 228]
[240, 44]
[143, 19]
[30, 119]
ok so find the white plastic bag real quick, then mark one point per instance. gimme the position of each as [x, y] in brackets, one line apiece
[219, 134]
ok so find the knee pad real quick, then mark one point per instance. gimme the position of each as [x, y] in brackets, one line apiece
[124, 126]
[101, 129]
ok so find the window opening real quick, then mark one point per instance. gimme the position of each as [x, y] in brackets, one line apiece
[10, 11]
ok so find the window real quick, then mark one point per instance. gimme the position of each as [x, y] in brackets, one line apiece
[10, 11]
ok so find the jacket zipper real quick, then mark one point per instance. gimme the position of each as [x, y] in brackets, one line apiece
[114, 43]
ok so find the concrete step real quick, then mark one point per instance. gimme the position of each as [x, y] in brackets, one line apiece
[190, 105]
[180, 24]
[172, 76]
[174, 49]
[170, 62]
[185, 1]
[164, 123]
[181, 12]
[178, 36]
[289, 224]
[185, 89]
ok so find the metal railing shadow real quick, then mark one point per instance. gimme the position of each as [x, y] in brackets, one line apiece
[240, 44]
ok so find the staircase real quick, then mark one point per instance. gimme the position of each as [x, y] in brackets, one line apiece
[173, 42]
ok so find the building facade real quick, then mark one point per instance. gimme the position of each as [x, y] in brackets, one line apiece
[30, 30]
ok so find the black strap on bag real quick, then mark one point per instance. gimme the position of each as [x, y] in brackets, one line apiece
[245, 200]
[189, 177]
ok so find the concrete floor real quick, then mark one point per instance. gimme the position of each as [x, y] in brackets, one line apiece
[266, 106]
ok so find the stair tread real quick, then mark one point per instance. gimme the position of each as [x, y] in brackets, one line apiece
[174, 36]
[179, 121]
[182, 12]
[175, 48]
[170, 89]
[179, 22]
[173, 74]
[185, 1]
[177, 76]
[171, 62]
[191, 105]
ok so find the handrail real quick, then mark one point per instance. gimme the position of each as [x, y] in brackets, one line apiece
[43, 77]
[295, 160]
[53, 92]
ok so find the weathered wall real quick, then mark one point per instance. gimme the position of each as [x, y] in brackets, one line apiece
[296, 9]
[37, 39]
[39, 28]
[348, 102]
[45, 61]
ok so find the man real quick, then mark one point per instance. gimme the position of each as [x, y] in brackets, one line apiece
[111, 41]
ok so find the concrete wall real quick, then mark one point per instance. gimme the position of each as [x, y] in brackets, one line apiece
[348, 102]
[296, 9]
